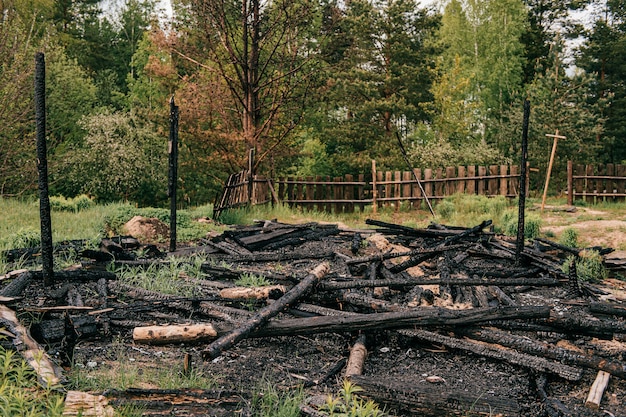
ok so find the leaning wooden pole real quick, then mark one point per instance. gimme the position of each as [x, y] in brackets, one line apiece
[262, 316]
[42, 168]
[173, 170]
[522, 188]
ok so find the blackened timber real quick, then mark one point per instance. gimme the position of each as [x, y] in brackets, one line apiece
[410, 231]
[277, 256]
[428, 401]
[391, 255]
[573, 251]
[42, 169]
[413, 281]
[80, 275]
[606, 308]
[413, 261]
[17, 285]
[521, 210]
[498, 352]
[422, 316]
[546, 350]
[262, 316]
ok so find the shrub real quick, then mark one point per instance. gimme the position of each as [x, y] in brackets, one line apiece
[532, 224]
[589, 266]
[76, 204]
[569, 237]
[24, 238]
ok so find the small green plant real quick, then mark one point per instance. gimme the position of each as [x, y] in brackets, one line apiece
[569, 237]
[23, 238]
[589, 266]
[20, 395]
[268, 401]
[348, 404]
[76, 204]
[251, 280]
[509, 224]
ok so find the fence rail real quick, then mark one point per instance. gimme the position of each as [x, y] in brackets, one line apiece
[345, 194]
[596, 183]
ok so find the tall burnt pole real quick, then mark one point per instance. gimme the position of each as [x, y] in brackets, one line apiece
[173, 170]
[42, 168]
[519, 247]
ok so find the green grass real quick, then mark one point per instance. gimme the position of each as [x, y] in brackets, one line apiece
[20, 395]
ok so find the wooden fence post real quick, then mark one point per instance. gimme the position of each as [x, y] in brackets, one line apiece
[570, 183]
[374, 187]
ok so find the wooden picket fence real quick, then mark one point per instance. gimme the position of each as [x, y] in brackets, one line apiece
[391, 188]
[596, 183]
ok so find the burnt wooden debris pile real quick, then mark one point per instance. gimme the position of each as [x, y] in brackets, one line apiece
[444, 289]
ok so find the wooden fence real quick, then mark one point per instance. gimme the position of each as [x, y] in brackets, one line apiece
[596, 183]
[344, 194]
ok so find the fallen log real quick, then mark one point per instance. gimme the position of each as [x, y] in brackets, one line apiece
[176, 333]
[428, 401]
[18, 284]
[187, 402]
[413, 281]
[416, 260]
[423, 316]
[272, 292]
[608, 309]
[358, 353]
[498, 352]
[48, 373]
[546, 350]
[263, 315]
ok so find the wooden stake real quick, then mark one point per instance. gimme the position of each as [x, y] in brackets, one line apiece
[556, 137]
[597, 390]
[374, 188]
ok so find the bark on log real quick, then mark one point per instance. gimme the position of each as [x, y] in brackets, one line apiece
[174, 333]
[497, 352]
[608, 309]
[48, 373]
[424, 316]
[429, 401]
[413, 281]
[263, 315]
[272, 292]
[358, 353]
[183, 402]
[79, 403]
[78, 275]
[19, 283]
[546, 350]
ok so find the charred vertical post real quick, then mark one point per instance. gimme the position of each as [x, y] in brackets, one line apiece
[522, 189]
[173, 170]
[42, 168]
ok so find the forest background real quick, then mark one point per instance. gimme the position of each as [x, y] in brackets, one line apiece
[314, 87]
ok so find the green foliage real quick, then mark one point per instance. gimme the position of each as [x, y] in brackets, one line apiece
[251, 280]
[348, 404]
[466, 210]
[569, 237]
[510, 220]
[76, 204]
[589, 266]
[118, 160]
[23, 238]
[268, 401]
[20, 394]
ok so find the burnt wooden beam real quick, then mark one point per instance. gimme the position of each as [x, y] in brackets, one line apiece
[429, 401]
[422, 316]
[417, 252]
[546, 350]
[608, 309]
[416, 260]
[262, 316]
[498, 352]
[413, 281]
